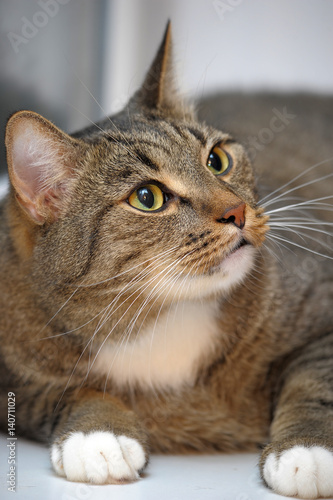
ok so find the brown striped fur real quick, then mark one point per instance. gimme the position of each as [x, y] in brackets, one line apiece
[269, 376]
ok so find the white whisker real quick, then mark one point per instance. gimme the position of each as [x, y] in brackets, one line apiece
[296, 178]
[292, 225]
[304, 204]
[280, 238]
[156, 257]
[129, 329]
[119, 320]
[281, 197]
[84, 350]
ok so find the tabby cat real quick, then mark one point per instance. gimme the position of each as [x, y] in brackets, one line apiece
[142, 307]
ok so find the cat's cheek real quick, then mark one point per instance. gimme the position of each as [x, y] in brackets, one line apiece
[300, 471]
[98, 458]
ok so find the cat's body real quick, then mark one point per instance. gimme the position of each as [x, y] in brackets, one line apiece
[176, 330]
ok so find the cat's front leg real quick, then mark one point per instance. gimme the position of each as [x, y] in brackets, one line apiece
[299, 461]
[98, 441]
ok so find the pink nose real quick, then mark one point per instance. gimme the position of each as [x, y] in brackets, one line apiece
[234, 215]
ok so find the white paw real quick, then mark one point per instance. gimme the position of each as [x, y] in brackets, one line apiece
[300, 471]
[98, 457]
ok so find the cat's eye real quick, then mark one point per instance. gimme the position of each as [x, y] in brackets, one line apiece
[219, 161]
[147, 198]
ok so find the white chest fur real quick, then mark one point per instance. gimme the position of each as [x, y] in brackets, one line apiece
[168, 353]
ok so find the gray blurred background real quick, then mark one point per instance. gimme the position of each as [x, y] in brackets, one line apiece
[76, 60]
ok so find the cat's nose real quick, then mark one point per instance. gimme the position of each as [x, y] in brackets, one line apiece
[234, 215]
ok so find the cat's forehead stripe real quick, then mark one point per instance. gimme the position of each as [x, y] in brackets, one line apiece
[147, 161]
[198, 135]
[129, 142]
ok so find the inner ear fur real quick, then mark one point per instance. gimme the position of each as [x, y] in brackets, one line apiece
[41, 164]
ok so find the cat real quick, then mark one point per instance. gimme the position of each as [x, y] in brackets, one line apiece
[142, 307]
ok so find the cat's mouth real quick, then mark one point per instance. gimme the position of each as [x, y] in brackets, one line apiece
[242, 243]
[232, 258]
[235, 252]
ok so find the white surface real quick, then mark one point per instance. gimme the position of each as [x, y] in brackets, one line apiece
[200, 477]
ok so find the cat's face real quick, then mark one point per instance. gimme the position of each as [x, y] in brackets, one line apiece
[177, 200]
[151, 202]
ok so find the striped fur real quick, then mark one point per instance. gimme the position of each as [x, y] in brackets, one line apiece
[225, 346]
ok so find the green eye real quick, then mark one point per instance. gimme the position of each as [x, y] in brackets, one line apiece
[219, 161]
[147, 198]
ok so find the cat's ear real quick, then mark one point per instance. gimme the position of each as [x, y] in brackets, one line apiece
[41, 163]
[158, 90]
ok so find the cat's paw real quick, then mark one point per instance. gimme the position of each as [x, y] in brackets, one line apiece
[301, 472]
[98, 457]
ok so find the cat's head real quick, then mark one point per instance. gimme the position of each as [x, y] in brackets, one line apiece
[149, 201]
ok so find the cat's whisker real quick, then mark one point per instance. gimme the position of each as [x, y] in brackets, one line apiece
[156, 257]
[58, 311]
[129, 329]
[90, 364]
[294, 179]
[281, 196]
[102, 109]
[105, 132]
[256, 268]
[173, 279]
[280, 238]
[305, 236]
[307, 204]
[155, 295]
[177, 294]
[179, 289]
[271, 251]
[152, 291]
[105, 311]
[188, 282]
[285, 199]
[292, 225]
[109, 310]
[70, 378]
[119, 320]
[279, 246]
[295, 220]
[102, 312]
[68, 332]
[136, 279]
[144, 286]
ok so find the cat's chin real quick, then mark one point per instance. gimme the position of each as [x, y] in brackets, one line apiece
[238, 262]
[233, 268]
[222, 277]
